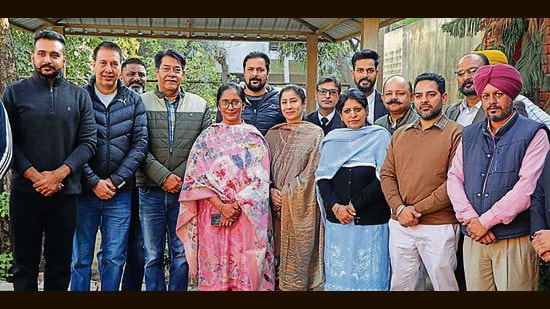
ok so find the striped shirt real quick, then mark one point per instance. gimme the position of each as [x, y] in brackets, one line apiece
[171, 110]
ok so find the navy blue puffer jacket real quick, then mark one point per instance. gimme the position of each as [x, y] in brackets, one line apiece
[121, 139]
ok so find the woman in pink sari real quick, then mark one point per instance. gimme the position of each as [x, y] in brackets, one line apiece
[224, 220]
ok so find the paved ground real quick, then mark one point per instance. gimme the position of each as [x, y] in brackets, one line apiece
[6, 286]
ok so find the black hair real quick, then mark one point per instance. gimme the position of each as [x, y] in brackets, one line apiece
[299, 91]
[366, 53]
[172, 53]
[257, 54]
[352, 94]
[329, 79]
[107, 45]
[440, 80]
[230, 85]
[49, 35]
[133, 61]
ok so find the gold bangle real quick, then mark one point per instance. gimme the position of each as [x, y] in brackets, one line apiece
[221, 208]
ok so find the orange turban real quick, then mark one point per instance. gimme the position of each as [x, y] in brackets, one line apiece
[504, 77]
[494, 56]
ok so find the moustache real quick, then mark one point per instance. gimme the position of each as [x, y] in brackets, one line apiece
[394, 102]
[467, 82]
[47, 66]
[364, 79]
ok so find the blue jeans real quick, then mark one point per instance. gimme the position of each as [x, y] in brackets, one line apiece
[132, 278]
[113, 219]
[158, 212]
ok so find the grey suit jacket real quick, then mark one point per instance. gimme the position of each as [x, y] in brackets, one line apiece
[454, 110]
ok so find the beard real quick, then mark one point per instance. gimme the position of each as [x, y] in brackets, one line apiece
[366, 89]
[505, 114]
[52, 75]
[137, 87]
[433, 113]
[465, 91]
[253, 88]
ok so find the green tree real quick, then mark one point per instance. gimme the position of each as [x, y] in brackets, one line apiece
[333, 58]
[201, 77]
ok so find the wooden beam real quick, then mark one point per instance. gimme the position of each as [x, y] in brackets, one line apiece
[311, 72]
[369, 33]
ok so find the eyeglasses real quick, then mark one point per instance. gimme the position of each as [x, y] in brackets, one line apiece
[167, 69]
[332, 92]
[234, 103]
[361, 70]
[471, 70]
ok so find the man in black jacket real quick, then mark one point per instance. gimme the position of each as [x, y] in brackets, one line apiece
[327, 93]
[262, 108]
[54, 135]
[364, 72]
[108, 177]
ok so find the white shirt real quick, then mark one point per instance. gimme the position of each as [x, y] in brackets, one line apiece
[105, 98]
[371, 98]
[533, 111]
[329, 116]
[467, 114]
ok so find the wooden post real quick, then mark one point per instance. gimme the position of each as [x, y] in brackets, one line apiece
[311, 72]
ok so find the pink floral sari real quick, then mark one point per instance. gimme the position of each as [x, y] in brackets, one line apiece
[231, 161]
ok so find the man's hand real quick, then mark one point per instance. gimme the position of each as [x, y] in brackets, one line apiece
[48, 183]
[105, 189]
[541, 242]
[172, 184]
[409, 217]
[475, 228]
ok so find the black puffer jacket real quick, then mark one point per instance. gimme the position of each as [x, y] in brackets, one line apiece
[121, 139]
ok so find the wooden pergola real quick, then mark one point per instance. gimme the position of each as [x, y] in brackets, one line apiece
[308, 30]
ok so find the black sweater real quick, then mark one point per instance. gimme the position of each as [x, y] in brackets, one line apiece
[360, 186]
[51, 125]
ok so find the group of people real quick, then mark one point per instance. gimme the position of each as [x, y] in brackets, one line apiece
[371, 191]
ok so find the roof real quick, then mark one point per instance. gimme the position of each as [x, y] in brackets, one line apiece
[226, 29]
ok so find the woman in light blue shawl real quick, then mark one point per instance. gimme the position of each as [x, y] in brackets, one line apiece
[354, 209]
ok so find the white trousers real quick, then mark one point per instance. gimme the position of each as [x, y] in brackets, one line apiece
[433, 245]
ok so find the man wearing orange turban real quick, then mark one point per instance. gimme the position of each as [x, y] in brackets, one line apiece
[492, 176]
[494, 56]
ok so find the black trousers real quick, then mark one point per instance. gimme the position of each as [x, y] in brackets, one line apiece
[33, 215]
[132, 278]
[459, 271]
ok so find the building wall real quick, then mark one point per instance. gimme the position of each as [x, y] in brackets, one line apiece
[424, 47]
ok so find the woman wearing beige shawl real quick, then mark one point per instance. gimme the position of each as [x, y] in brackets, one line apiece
[299, 231]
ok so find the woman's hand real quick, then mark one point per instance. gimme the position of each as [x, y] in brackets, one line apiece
[224, 222]
[231, 211]
[276, 198]
[344, 213]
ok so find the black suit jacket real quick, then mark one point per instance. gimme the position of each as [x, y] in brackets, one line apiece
[379, 108]
[334, 123]
[540, 201]
[454, 110]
